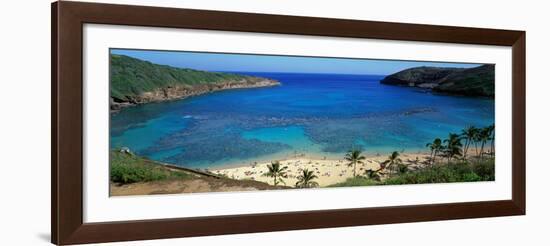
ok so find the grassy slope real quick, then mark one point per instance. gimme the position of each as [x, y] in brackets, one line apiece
[131, 77]
[134, 175]
[127, 168]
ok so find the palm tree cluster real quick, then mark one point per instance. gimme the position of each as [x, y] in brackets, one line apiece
[392, 163]
[454, 148]
[278, 172]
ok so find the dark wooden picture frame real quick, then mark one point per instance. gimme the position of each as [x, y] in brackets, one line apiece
[67, 123]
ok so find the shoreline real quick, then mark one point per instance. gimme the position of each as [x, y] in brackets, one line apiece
[182, 92]
[310, 156]
[328, 171]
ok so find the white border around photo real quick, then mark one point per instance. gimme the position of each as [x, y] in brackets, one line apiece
[99, 207]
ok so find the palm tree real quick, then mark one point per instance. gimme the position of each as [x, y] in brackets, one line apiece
[276, 172]
[354, 157]
[484, 136]
[453, 147]
[432, 149]
[393, 160]
[435, 147]
[305, 179]
[491, 129]
[470, 134]
[477, 140]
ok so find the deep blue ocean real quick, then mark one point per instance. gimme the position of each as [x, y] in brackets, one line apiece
[313, 114]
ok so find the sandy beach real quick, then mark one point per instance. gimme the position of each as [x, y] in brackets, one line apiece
[328, 171]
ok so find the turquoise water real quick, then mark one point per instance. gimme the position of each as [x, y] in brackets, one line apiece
[311, 114]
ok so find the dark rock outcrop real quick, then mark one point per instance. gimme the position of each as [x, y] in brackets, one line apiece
[477, 81]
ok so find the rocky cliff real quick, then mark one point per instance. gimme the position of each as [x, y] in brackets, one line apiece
[134, 81]
[477, 81]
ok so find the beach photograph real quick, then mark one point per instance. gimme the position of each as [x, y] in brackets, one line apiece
[198, 122]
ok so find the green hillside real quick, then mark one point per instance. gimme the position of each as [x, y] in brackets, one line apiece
[131, 77]
[477, 81]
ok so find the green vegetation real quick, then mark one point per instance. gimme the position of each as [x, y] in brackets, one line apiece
[305, 180]
[447, 173]
[131, 77]
[276, 172]
[477, 81]
[356, 181]
[128, 168]
[354, 157]
[444, 173]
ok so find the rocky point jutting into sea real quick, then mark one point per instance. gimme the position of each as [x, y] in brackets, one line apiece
[135, 82]
[477, 81]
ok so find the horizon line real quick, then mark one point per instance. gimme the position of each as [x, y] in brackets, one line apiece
[229, 71]
[113, 51]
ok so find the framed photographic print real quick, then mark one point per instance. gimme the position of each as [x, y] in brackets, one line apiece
[174, 122]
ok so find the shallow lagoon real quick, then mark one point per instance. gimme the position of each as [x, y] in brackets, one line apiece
[320, 115]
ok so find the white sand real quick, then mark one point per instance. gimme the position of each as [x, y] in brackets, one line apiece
[328, 171]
